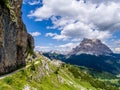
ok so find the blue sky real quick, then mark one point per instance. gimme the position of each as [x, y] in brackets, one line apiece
[61, 25]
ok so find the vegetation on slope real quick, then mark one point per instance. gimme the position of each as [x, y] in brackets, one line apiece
[6, 4]
[43, 74]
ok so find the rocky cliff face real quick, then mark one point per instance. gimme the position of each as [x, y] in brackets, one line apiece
[89, 46]
[15, 42]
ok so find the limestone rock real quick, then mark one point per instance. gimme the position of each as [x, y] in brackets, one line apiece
[14, 38]
[91, 46]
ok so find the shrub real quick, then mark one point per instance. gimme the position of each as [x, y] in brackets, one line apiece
[23, 72]
[57, 71]
[8, 80]
[75, 71]
[32, 67]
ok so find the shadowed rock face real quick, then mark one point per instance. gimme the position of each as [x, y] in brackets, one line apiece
[13, 37]
[91, 46]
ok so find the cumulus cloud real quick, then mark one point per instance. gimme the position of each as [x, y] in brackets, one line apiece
[31, 2]
[35, 34]
[42, 48]
[80, 30]
[117, 50]
[35, 2]
[76, 19]
[80, 18]
[56, 36]
[62, 49]
[114, 44]
[68, 46]
[102, 1]
[50, 34]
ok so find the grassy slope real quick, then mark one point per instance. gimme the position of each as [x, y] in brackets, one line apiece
[43, 74]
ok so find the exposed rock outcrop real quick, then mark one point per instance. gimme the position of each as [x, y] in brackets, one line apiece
[91, 46]
[14, 39]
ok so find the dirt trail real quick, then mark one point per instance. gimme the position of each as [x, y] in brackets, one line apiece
[3, 76]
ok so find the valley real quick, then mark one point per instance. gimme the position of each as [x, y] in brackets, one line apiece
[44, 74]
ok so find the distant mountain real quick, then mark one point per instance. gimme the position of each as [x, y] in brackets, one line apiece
[92, 54]
[54, 55]
[91, 46]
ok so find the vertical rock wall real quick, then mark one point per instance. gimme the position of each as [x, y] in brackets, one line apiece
[14, 39]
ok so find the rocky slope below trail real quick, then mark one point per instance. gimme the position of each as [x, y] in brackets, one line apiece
[43, 74]
[15, 42]
[91, 46]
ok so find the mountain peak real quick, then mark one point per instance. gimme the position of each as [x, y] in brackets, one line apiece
[91, 40]
[91, 46]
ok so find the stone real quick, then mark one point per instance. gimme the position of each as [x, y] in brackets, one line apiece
[14, 38]
[91, 46]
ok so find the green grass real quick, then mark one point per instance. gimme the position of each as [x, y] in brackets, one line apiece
[65, 77]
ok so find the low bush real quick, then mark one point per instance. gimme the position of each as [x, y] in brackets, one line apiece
[8, 80]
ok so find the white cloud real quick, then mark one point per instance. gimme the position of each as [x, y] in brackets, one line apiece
[35, 2]
[68, 46]
[56, 36]
[79, 19]
[35, 34]
[41, 14]
[117, 50]
[62, 49]
[114, 44]
[102, 1]
[80, 30]
[32, 2]
[50, 34]
[42, 48]
[117, 42]
[77, 31]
